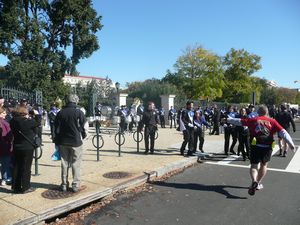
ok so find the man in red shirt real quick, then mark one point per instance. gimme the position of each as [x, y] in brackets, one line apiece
[262, 130]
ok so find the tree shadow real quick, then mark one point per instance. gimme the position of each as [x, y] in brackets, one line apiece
[221, 189]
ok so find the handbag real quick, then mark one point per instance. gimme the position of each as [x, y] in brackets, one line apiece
[56, 155]
[36, 142]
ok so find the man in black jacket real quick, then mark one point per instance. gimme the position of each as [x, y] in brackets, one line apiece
[284, 118]
[69, 132]
[150, 121]
[187, 118]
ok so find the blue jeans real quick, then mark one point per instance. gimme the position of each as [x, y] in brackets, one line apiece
[6, 168]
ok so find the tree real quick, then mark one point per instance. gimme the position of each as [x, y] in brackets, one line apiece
[198, 74]
[44, 39]
[239, 65]
[150, 90]
[101, 89]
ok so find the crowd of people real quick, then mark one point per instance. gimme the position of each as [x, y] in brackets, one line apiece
[252, 129]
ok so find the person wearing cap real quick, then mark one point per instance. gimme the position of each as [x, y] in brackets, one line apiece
[69, 132]
[262, 130]
[284, 118]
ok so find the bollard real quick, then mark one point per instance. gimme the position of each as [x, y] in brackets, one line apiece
[119, 140]
[138, 141]
[36, 162]
[97, 134]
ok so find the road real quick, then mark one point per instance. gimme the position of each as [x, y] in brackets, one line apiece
[214, 192]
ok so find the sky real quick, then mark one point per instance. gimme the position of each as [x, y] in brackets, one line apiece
[142, 39]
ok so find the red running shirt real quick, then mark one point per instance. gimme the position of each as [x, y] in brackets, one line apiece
[262, 126]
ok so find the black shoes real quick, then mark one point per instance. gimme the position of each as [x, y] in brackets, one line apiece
[252, 188]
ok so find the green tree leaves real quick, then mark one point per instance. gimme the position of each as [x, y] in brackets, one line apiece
[45, 39]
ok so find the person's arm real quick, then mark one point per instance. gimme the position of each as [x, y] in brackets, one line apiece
[235, 121]
[284, 135]
[82, 121]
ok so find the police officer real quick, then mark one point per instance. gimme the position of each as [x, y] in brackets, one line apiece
[187, 118]
[150, 121]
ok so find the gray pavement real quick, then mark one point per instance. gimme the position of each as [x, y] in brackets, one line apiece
[208, 194]
[213, 193]
[33, 207]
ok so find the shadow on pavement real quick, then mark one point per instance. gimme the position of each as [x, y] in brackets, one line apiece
[202, 187]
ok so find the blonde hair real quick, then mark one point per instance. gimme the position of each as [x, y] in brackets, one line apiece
[20, 111]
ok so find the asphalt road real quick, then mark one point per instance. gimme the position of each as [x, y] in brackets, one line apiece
[213, 193]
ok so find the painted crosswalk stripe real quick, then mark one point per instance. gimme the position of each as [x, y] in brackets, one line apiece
[294, 165]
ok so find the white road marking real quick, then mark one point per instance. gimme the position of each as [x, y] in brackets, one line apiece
[294, 165]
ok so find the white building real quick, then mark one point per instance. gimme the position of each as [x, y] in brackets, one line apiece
[84, 80]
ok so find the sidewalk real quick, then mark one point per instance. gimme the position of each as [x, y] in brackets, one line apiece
[33, 208]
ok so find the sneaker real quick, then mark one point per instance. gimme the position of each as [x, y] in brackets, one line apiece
[252, 188]
[260, 186]
[3, 183]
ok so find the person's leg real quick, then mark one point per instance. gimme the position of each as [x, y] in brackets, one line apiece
[234, 135]
[185, 141]
[76, 167]
[191, 142]
[254, 172]
[16, 184]
[26, 173]
[284, 147]
[196, 135]
[280, 146]
[226, 136]
[254, 176]
[152, 139]
[262, 171]
[146, 138]
[65, 164]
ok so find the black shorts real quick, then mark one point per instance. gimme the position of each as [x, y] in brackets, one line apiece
[260, 154]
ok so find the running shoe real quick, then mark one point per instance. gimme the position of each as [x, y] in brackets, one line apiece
[260, 186]
[252, 188]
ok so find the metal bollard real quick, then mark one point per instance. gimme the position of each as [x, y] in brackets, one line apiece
[97, 134]
[36, 162]
[119, 140]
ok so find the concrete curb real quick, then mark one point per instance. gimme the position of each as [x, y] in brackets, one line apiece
[134, 182]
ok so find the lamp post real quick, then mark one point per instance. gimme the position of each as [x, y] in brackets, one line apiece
[117, 84]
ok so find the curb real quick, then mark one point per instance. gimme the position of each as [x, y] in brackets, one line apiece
[134, 182]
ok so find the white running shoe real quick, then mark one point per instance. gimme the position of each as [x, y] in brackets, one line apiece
[260, 186]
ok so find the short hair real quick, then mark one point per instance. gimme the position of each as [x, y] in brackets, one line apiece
[189, 102]
[262, 110]
[20, 111]
[72, 98]
[150, 103]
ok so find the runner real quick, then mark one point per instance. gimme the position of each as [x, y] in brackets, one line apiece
[262, 130]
